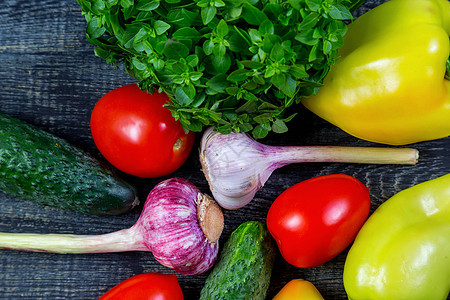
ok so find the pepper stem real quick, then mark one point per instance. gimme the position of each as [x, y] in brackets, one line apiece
[210, 217]
[367, 155]
[119, 241]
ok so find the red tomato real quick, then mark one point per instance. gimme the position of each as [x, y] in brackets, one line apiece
[315, 220]
[146, 286]
[137, 135]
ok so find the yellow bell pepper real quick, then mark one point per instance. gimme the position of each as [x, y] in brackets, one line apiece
[298, 289]
[389, 84]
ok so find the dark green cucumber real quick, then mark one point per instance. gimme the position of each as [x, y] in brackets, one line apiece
[245, 265]
[38, 166]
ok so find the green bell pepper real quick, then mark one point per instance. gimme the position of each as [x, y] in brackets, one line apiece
[403, 250]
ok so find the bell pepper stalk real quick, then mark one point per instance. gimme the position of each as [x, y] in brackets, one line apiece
[402, 251]
[390, 84]
[298, 289]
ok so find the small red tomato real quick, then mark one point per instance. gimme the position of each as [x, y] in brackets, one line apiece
[146, 286]
[137, 135]
[315, 220]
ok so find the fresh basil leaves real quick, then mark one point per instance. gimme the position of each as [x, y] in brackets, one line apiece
[234, 64]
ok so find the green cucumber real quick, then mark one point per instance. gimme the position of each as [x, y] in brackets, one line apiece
[245, 265]
[40, 167]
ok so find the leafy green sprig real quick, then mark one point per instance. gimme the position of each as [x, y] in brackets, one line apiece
[234, 64]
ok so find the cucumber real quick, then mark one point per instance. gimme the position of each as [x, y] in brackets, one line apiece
[245, 265]
[40, 167]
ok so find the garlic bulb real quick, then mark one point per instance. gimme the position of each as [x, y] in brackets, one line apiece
[178, 224]
[236, 166]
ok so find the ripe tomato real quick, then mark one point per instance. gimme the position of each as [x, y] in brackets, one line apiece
[137, 135]
[146, 286]
[315, 220]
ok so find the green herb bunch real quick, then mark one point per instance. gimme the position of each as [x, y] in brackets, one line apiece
[234, 64]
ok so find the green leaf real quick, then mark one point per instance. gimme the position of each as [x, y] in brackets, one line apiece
[285, 84]
[288, 119]
[313, 5]
[238, 75]
[235, 12]
[297, 4]
[161, 27]
[267, 106]
[92, 29]
[248, 107]
[219, 3]
[181, 97]
[327, 47]
[110, 3]
[125, 3]
[194, 76]
[218, 83]
[313, 54]
[208, 13]
[263, 118]
[307, 37]
[208, 46]
[249, 85]
[340, 12]
[221, 64]
[222, 29]
[278, 80]
[253, 15]
[199, 100]
[181, 17]
[298, 71]
[233, 91]
[178, 67]
[245, 127]
[266, 27]
[269, 41]
[279, 126]
[252, 64]
[219, 50]
[138, 65]
[255, 35]
[192, 60]
[147, 5]
[261, 131]
[187, 33]
[175, 50]
[158, 64]
[190, 91]
[224, 129]
[310, 21]
[101, 53]
[277, 53]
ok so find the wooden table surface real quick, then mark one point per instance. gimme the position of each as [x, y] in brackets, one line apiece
[50, 77]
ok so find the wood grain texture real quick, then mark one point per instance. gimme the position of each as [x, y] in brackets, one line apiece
[51, 78]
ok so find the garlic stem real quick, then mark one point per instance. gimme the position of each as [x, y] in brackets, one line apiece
[119, 241]
[366, 155]
[236, 166]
